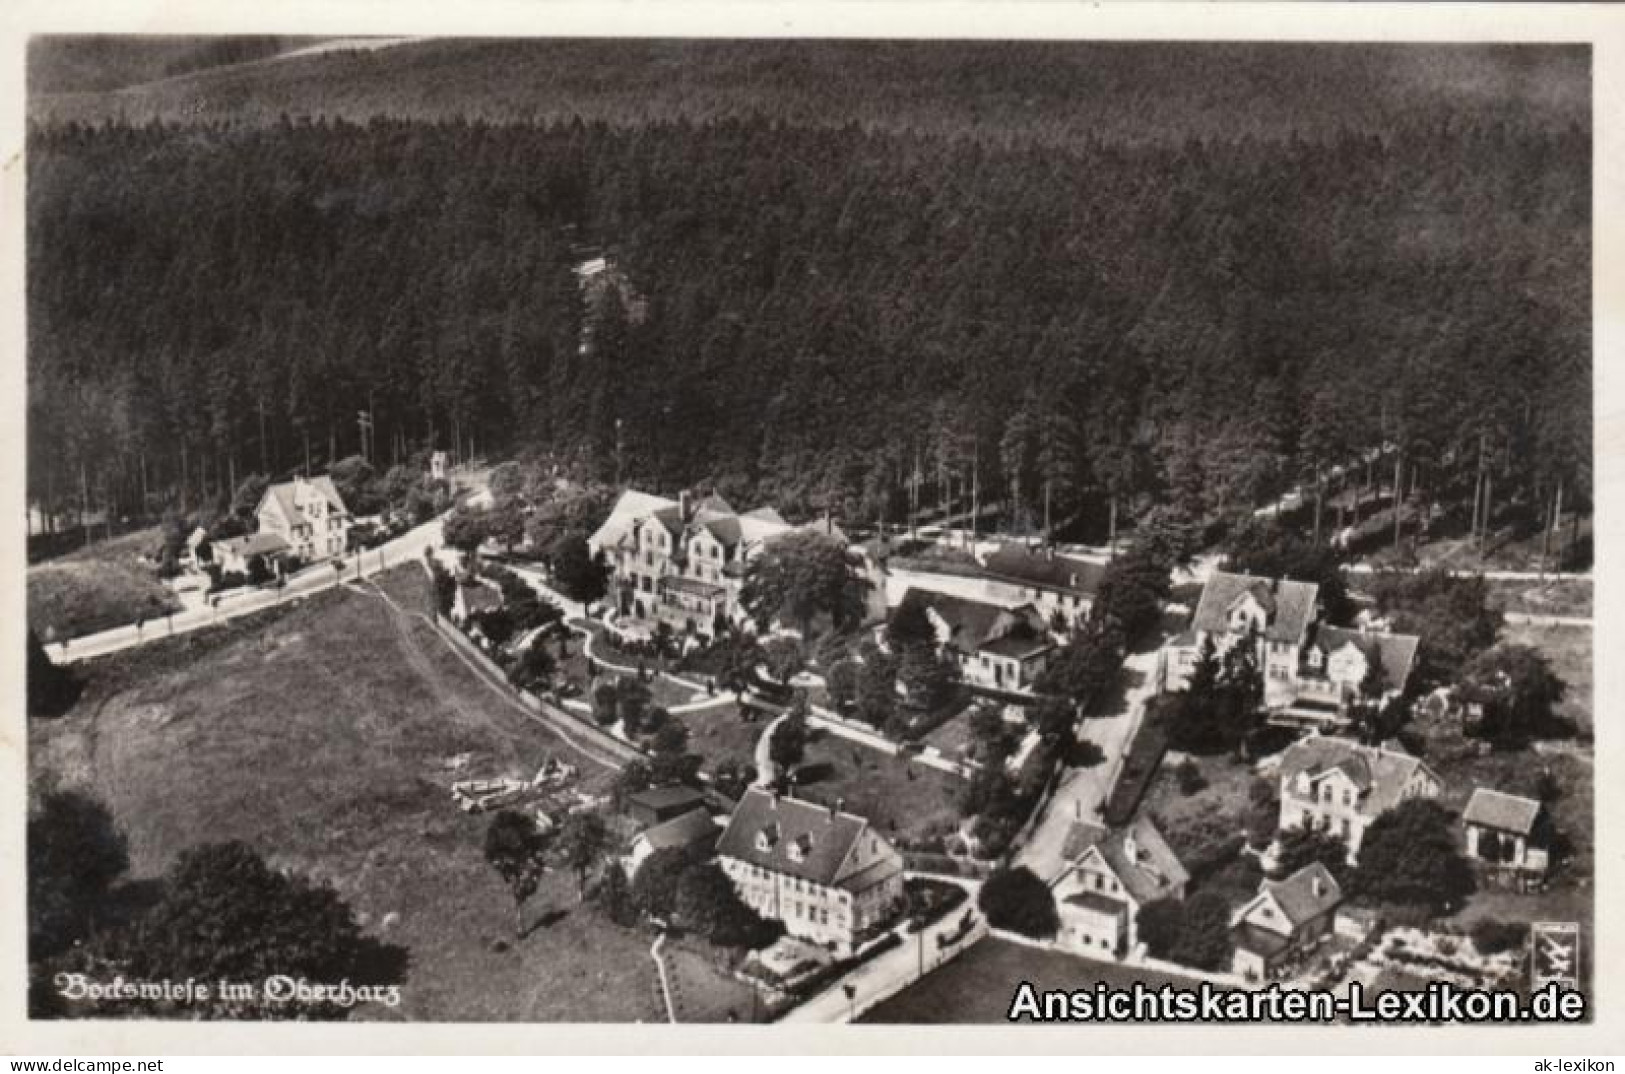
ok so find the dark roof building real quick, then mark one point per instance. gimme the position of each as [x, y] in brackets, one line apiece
[1285, 918]
[1288, 607]
[792, 837]
[1503, 812]
[695, 830]
[1047, 569]
[975, 626]
[254, 544]
[1306, 894]
[659, 804]
[1143, 861]
[1379, 774]
[825, 873]
[1394, 653]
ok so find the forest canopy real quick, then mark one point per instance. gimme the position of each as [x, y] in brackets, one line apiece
[811, 313]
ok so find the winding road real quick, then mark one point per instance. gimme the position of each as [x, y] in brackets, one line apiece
[236, 604]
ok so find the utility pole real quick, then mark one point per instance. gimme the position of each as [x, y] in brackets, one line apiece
[976, 491]
[363, 419]
[914, 493]
[619, 456]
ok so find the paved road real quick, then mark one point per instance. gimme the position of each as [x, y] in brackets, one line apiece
[766, 770]
[1083, 790]
[1494, 576]
[889, 973]
[408, 546]
[1533, 619]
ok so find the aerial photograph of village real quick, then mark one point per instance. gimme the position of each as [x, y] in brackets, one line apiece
[802, 531]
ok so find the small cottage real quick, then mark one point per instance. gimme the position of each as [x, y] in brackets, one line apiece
[694, 830]
[1506, 831]
[660, 804]
[1112, 876]
[1284, 921]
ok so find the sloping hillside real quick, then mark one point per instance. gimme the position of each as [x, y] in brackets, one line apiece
[322, 734]
[98, 63]
[1052, 92]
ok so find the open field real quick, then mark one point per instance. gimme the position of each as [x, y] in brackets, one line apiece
[952, 737]
[898, 797]
[1561, 596]
[719, 734]
[1197, 826]
[1223, 798]
[1569, 651]
[99, 586]
[346, 712]
[977, 987]
[704, 992]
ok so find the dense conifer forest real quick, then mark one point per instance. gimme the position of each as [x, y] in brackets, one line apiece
[1236, 270]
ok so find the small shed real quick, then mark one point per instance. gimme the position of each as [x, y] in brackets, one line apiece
[474, 598]
[660, 804]
[695, 830]
[1507, 831]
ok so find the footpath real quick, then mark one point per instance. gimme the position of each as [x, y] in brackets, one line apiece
[234, 604]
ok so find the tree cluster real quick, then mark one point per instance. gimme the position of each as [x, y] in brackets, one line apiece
[1453, 617]
[1516, 694]
[1017, 900]
[800, 576]
[681, 886]
[219, 913]
[1192, 932]
[1111, 321]
[1220, 705]
[1410, 856]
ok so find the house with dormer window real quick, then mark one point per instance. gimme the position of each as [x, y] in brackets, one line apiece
[1283, 922]
[308, 515]
[682, 561]
[826, 874]
[1313, 671]
[1112, 875]
[1341, 786]
[996, 647]
[1061, 587]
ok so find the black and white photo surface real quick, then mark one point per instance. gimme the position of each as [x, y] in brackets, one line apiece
[714, 531]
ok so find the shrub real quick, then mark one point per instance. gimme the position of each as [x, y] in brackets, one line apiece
[224, 580]
[1410, 856]
[1491, 937]
[1017, 900]
[1194, 932]
[1139, 766]
[1189, 774]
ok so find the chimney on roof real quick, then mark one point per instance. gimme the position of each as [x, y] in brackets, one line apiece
[1131, 846]
[773, 794]
[682, 506]
[840, 803]
[1317, 885]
